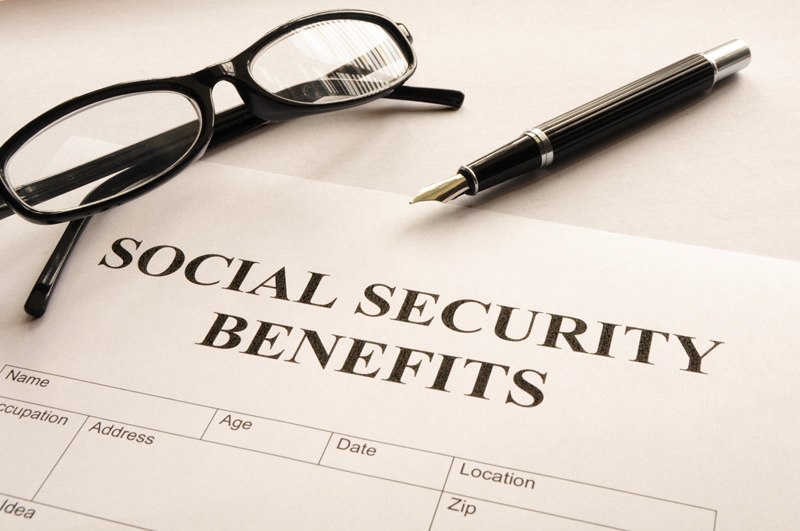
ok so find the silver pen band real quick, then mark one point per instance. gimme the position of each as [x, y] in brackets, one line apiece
[728, 58]
[545, 148]
[467, 172]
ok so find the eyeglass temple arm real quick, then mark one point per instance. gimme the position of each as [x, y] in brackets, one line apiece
[330, 84]
[37, 301]
[227, 126]
[450, 98]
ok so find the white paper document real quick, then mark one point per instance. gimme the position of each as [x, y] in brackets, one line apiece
[240, 350]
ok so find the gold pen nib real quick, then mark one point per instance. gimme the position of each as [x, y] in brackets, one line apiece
[443, 191]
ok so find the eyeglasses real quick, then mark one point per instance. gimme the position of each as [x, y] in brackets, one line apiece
[151, 130]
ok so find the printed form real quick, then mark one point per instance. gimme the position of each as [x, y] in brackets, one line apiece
[242, 350]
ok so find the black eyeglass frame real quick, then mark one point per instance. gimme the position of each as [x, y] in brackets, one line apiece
[198, 86]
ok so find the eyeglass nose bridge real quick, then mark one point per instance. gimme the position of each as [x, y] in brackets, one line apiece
[227, 68]
[235, 72]
[255, 98]
[211, 75]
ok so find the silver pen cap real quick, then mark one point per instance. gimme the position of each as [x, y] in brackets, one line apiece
[728, 58]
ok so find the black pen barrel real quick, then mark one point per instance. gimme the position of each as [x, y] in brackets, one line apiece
[607, 116]
[628, 106]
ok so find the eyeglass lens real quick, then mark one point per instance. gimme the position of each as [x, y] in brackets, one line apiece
[328, 61]
[57, 168]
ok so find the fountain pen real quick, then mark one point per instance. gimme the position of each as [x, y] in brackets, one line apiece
[601, 118]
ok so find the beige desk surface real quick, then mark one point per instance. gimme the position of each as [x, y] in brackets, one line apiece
[722, 173]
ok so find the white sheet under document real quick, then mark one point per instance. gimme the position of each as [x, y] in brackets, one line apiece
[240, 350]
